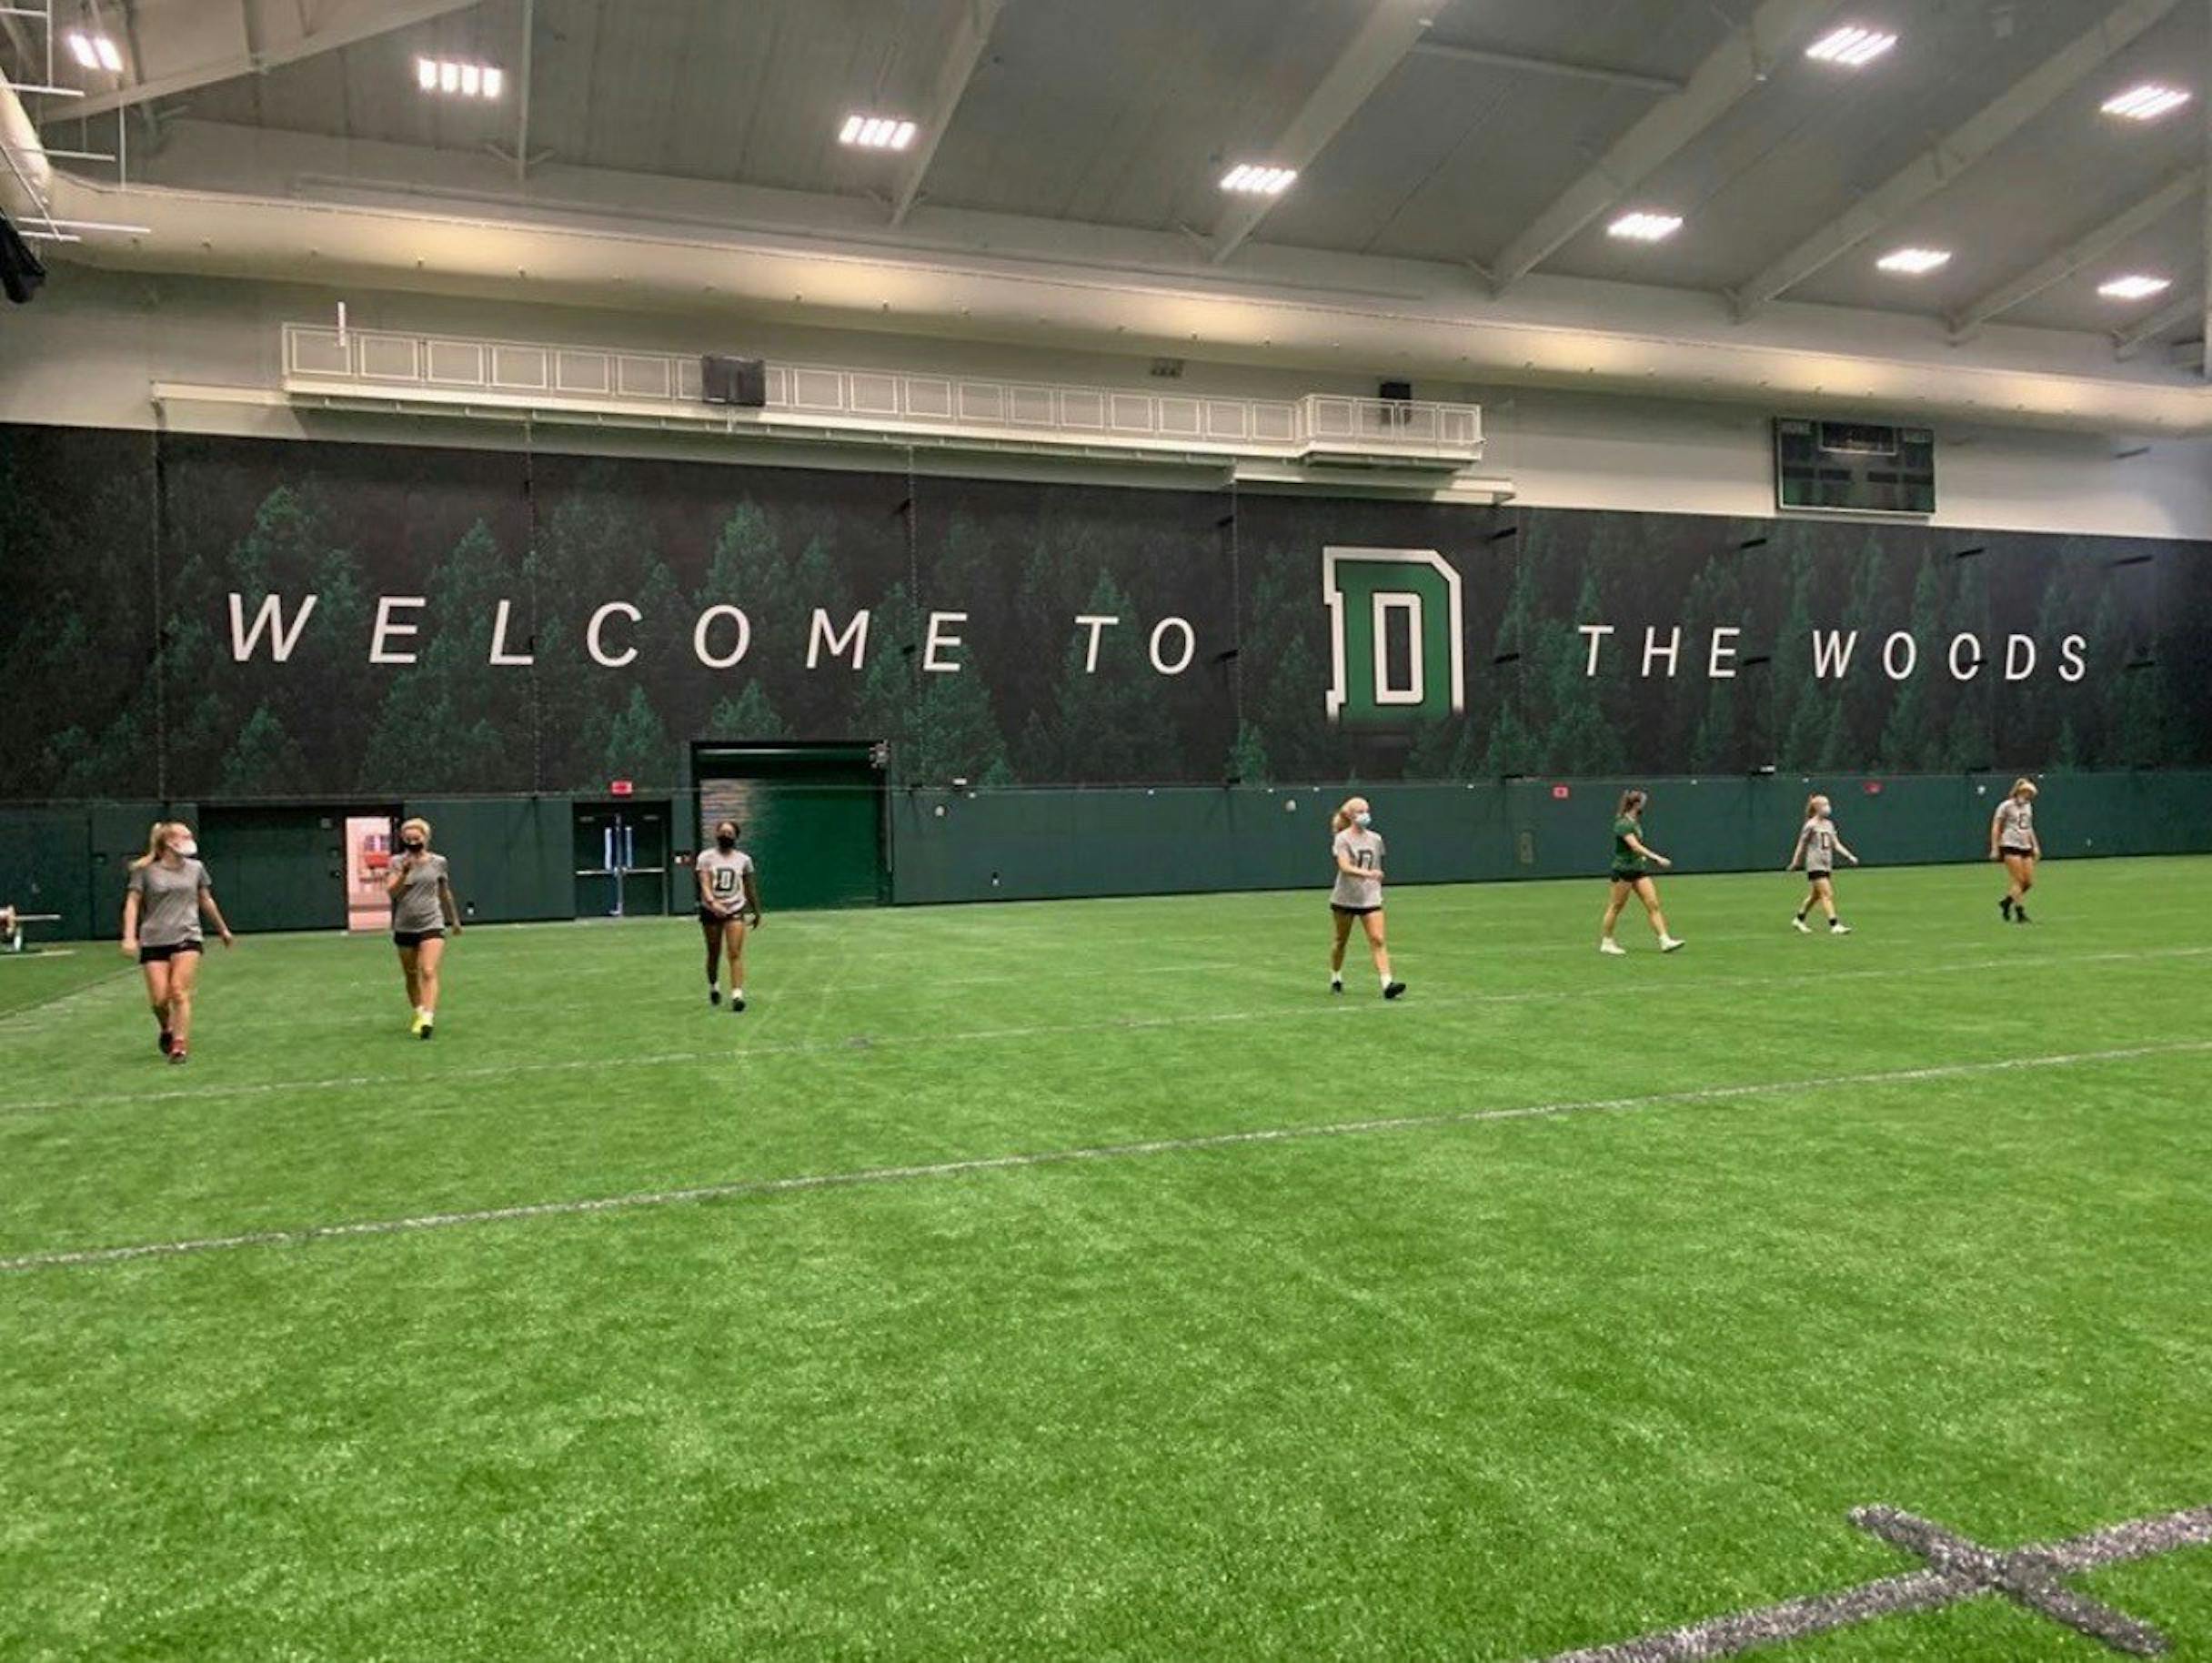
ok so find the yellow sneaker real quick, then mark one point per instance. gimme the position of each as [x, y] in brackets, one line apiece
[416, 1026]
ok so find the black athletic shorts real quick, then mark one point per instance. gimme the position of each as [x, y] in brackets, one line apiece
[1813, 877]
[1351, 912]
[162, 955]
[1628, 877]
[416, 938]
[708, 916]
[2024, 854]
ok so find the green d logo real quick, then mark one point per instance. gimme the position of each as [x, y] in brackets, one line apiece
[1396, 655]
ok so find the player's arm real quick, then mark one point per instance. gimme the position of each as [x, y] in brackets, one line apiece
[1995, 820]
[214, 916]
[752, 896]
[130, 922]
[448, 906]
[1646, 850]
[396, 879]
[1844, 848]
[2035, 843]
[1798, 848]
[706, 893]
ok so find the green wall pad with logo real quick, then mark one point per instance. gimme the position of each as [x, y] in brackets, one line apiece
[1026, 845]
[811, 818]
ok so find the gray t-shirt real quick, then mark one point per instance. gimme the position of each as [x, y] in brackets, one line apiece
[2017, 825]
[1363, 850]
[416, 907]
[1819, 836]
[169, 902]
[725, 886]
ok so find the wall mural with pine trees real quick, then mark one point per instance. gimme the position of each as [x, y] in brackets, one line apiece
[201, 618]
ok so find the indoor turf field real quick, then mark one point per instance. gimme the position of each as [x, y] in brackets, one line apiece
[1081, 1279]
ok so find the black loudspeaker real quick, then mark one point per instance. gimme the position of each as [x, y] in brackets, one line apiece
[738, 382]
[1399, 392]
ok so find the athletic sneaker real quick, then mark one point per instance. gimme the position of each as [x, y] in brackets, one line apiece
[2020, 915]
[1612, 948]
[1336, 984]
[416, 1024]
[2004, 908]
[1802, 928]
[1670, 944]
[176, 1053]
[1391, 990]
[166, 1043]
[424, 1030]
[737, 1002]
[714, 995]
[1839, 928]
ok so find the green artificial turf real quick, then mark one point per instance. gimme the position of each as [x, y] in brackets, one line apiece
[1466, 1389]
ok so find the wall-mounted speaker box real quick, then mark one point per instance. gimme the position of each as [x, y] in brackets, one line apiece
[740, 381]
[1400, 392]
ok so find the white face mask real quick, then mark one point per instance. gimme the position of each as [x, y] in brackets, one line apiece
[187, 847]
[1363, 821]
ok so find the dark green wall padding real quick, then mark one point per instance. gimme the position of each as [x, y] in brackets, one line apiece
[512, 858]
[1027, 844]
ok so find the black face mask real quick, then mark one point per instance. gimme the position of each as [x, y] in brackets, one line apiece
[726, 843]
[413, 845]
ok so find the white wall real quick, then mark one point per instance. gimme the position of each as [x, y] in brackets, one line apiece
[88, 350]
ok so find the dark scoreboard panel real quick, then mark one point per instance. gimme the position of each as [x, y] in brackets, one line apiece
[1854, 467]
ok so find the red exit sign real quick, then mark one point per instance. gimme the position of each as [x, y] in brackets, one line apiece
[1560, 793]
[620, 788]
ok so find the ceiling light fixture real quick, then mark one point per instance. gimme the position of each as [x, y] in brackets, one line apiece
[1915, 262]
[95, 52]
[451, 75]
[1644, 227]
[1851, 47]
[2146, 102]
[1249, 179]
[2133, 287]
[877, 133]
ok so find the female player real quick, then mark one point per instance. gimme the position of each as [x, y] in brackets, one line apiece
[1818, 847]
[169, 891]
[1632, 866]
[2013, 839]
[1358, 892]
[423, 910]
[729, 899]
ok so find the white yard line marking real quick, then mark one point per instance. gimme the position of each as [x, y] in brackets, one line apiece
[1320, 1009]
[60, 1258]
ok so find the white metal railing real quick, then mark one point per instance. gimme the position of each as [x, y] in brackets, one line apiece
[377, 365]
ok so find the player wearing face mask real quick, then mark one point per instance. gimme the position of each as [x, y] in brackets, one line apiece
[1357, 851]
[169, 893]
[423, 912]
[729, 900]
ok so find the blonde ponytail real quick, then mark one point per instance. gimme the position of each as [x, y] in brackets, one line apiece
[154, 840]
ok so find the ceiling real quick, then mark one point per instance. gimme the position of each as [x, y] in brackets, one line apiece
[1450, 141]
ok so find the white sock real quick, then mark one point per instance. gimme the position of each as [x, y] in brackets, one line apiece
[1336, 978]
[737, 993]
[1384, 974]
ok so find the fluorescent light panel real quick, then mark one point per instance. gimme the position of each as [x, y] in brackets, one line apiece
[1249, 179]
[2133, 287]
[451, 75]
[877, 133]
[1852, 46]
[95, 52]
[1915, 262]
[1644, 227]
[2146, 102]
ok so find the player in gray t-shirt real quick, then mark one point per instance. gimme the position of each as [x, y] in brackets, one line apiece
[2013, 839]
[1357, 850]
[168, 893]
[1818, 844]
[423, 913]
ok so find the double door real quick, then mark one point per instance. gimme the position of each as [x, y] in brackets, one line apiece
[622, 861]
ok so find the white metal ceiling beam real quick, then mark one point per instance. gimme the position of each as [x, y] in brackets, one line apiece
[970, 40]
[1390, 31]
[183, 47]
[2131, 340]
[1961, 148]
[1717, 85]
[1454, 53]
[2084, 250]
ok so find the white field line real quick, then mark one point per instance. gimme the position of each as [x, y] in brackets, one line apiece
[303, 1236]
[1322, 1007]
